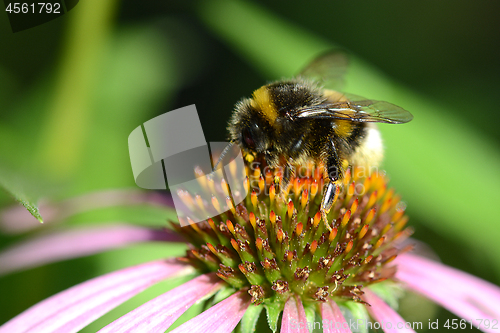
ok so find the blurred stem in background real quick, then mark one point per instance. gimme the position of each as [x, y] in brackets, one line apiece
[71, 127]
[453, 194]
[66, 128]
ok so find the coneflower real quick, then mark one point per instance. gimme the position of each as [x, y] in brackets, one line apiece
[272, 253]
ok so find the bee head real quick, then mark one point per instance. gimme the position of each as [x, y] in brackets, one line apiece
[249, 129]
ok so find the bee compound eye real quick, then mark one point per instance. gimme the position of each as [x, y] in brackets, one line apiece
[248, 138]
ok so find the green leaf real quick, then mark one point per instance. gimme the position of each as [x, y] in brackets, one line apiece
[21, 189]
[220, 295]
[310, 313]
[250, 318]
[355, 313]
[390, 293]
[273, 313]
[414, 307]
[243, 25]
[223, 294]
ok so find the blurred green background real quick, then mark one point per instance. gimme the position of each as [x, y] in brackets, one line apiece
[72, 90]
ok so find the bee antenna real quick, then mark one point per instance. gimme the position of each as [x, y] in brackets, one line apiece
[223, 154]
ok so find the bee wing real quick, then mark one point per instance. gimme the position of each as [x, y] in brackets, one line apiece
[358, 109]
[328, 69]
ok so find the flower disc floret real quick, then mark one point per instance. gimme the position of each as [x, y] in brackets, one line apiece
[275, 245]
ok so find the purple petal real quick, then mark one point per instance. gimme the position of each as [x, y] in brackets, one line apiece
[333, 320]
[463, 294]
[72, 309]
[221, 318]
[17, 219]
[158, 314]
[294, 317]
[77, 243]
[388, 319]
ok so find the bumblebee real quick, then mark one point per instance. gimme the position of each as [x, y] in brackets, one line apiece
[296, 121]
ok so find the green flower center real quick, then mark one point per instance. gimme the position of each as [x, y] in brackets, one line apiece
[275, 245]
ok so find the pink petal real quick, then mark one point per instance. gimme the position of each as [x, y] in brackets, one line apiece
[294, 317]
[72, 309]
[386, 318]
[333, 320]
[221, 318]
[17, 219]
[158, 314]
[463, 294]
[77, 243]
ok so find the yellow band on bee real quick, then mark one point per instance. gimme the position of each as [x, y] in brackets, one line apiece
[262, 101]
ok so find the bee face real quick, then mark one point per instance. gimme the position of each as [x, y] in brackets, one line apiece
[249, 129]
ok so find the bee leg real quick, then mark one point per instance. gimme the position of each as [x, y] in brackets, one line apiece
[329, 198]
[335, 174]
[288, 173]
